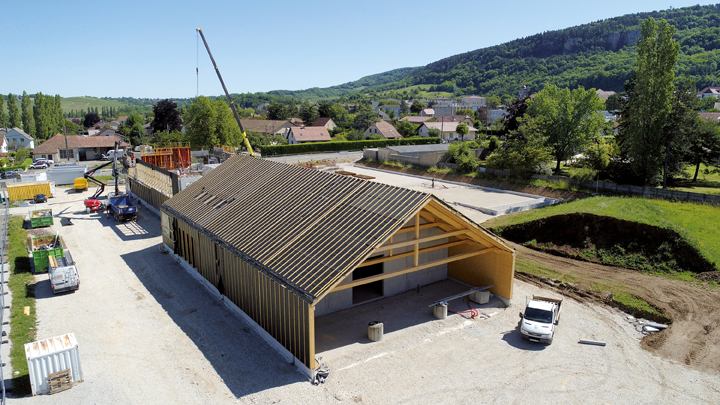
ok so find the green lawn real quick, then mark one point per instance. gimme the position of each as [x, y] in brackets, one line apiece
[697, 223]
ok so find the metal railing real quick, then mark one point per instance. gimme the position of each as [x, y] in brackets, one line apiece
[3, 243]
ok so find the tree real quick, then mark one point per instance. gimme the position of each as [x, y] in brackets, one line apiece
[465, 111]
[407, 129]
[324, 109]
[680, 128]
[417, 106]
[649, 102]
[525, 152]
[514, 112]
[27, 116]
[568, 119]
[3, 115]
[434, 133]
[137, 134]
[613, 103]
[705, 146]
[364, 117]
[308, 113]
[90, 119]
[13, 112]
[277, 111]
[166, 117]
[211, 123]
[404, 108]
[462, 130]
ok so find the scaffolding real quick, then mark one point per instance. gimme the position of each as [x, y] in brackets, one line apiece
[169, 156]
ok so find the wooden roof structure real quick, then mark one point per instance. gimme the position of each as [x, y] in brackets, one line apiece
[309, 229]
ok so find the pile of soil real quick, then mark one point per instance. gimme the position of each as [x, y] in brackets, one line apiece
[564, 195]
[584, 236]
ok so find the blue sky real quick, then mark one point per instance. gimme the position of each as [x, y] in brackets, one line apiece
[149, 48]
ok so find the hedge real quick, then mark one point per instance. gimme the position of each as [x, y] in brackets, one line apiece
[273, 150]
[25, 164]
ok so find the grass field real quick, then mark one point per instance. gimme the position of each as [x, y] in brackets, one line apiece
[423, 93]
[697, 223]
[83, 103]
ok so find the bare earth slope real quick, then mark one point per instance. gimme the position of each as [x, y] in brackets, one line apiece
[694, 336]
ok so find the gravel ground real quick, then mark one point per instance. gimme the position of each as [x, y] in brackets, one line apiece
[149, 333]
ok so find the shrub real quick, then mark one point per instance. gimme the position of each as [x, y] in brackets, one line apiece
[493, 144]
[339, 146]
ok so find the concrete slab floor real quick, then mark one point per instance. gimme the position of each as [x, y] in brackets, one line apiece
[453, 193]
[346, 330]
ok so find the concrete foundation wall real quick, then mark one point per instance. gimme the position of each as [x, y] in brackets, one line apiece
[334, 302]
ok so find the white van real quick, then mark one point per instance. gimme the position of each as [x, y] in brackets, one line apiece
[110, 155]
[63, 274]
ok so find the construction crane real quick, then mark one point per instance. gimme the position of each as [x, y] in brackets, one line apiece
[232, 105]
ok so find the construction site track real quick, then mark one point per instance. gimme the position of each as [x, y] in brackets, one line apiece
[693, 308]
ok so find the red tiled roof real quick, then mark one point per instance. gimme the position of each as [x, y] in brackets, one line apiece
[321, 122]
[57, 142]
[310, 134]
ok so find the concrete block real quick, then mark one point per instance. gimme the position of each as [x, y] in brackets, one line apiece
[480, 297]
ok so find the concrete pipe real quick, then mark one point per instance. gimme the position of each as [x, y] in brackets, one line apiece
[440, 311]
[375, 331]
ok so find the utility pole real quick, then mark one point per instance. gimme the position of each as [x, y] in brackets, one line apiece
[66, 144]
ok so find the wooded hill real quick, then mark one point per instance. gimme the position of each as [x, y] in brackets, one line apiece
[600, 55]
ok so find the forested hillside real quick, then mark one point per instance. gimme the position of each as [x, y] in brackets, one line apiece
[600, 54]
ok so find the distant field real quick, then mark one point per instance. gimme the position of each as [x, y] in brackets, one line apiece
[692, 221]
[82, 103]
[423, 93]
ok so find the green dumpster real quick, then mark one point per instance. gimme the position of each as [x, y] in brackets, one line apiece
[44, 247]
[41, 218]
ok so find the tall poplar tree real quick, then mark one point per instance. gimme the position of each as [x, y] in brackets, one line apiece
[3, 115]
[13, 112]
[649, 104]
[27, 117]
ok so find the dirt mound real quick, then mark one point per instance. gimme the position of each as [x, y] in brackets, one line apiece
[708, 276]
[694, 335]
[610, 241]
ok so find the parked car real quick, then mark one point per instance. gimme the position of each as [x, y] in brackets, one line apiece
[8, 175]
[40, 198]
[39, 165]
[48, 161]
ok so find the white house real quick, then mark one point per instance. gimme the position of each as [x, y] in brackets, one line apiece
[384, 129]
[16, 139]
[308, 134]
[709, 92]
[448, 131]
[474, 102]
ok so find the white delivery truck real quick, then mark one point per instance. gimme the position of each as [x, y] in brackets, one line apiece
[110, 155]
[63, 273]
[540, 319]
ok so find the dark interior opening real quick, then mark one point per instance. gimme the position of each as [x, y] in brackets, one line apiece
[370, 291]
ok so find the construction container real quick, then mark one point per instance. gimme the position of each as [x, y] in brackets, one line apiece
[49, 356]
[62, 175]
[44, 247]
[39, 218]
[28, 191]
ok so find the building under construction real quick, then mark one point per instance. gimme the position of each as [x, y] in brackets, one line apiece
[169, 156]
[286, 244]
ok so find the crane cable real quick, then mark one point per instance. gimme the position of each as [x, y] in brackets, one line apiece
[197, 64]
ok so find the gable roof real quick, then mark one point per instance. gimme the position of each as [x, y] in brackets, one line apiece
[306, 228]
[310, 134]
[114, 132]
[452, 118]
[710, 116]
[415, 119]
[710, 90]
[604, 94]
[322, 121]
[387, 130]
[447, 126]
[18, 131]
[57, 142]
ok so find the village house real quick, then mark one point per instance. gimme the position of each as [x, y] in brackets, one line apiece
[326, 122]
[78, 148]
[308, 134]
[385, 129]
[16, 139]
[448, 131]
